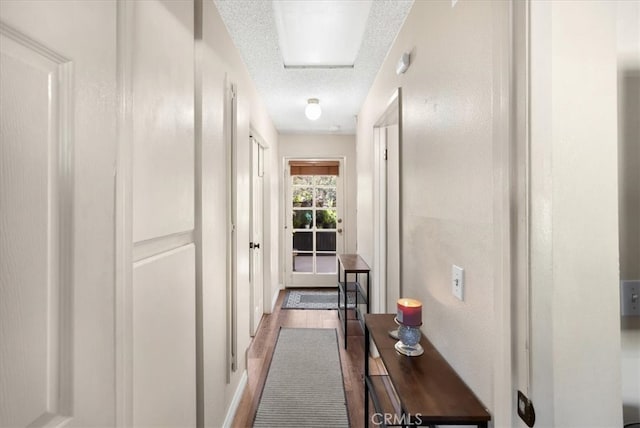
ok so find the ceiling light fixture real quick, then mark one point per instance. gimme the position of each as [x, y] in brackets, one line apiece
[313, 109]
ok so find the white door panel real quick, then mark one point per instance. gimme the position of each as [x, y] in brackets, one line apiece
[58, 135]
[164, 340]
[31, 292]
[163, 175]
[163, 133]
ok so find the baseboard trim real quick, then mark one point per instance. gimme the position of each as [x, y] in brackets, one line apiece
[235, 402]
[274, 299]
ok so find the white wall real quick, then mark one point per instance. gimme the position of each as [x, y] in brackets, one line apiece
[452, 178]
[574, 215]
[322, 146]
[450, 113]
[628, 21]
[141, 87]
[220, 61]
[180, 69]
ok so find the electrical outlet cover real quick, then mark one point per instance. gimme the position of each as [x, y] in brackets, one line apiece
[525, 410]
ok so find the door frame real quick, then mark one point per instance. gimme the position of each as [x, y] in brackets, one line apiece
[123, 206]
[285, 250]
[510, 197]
[392, 116]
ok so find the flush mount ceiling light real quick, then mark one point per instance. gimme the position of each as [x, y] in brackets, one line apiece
[313, 109]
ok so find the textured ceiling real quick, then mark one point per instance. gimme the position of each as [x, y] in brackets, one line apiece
[285, 91]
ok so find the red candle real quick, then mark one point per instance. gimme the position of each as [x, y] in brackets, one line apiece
[409, 312]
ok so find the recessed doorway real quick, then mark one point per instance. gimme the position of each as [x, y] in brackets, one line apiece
[314, 227]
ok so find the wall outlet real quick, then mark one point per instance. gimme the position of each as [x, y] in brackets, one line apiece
[525, 410]
[457, 282]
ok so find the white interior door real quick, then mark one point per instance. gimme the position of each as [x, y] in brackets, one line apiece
[392, 216]
[163, 306]
[257, 225]
[57, 156]
[314, 222]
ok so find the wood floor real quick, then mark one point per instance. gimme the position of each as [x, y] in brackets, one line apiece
[261, 351]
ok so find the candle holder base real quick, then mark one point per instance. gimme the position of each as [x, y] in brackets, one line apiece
[408, 340]
[409, 351]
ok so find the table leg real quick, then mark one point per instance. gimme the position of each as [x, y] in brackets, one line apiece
[366, 375]
[346, 306]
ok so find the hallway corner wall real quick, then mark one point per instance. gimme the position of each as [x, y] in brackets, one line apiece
[222, 63]
[451, 179]
[574, 215]
[163, 295]
[114, 171]
[629, 193]
[447, 177]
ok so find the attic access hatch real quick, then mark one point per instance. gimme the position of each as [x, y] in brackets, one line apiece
[320, 34]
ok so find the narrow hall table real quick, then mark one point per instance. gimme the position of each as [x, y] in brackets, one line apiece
[428, 391]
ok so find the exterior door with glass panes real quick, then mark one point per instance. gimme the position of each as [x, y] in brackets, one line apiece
[315, 229]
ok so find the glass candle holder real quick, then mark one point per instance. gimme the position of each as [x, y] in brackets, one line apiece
[409, 340]
[409, 311]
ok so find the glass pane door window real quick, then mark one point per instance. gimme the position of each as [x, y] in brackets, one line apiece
[314, 223]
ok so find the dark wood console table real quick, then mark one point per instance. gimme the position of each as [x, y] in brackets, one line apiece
[425, 390]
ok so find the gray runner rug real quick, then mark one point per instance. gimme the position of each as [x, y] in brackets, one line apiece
[315, 299]
[304, 386]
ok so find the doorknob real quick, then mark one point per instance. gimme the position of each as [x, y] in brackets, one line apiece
[339, 230]
[339, 220]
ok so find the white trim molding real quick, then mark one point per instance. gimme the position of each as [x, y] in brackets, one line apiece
[274, 299]
[235, 401]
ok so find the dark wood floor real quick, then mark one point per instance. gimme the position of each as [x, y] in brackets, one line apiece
[261, 351]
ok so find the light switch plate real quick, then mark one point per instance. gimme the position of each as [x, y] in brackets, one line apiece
[630, 298]
[457, 282]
